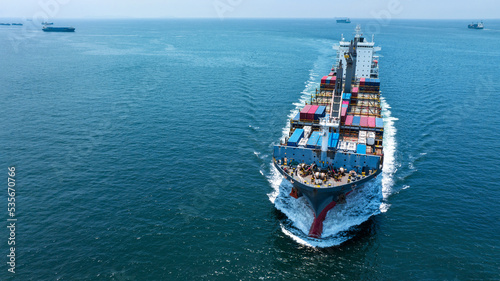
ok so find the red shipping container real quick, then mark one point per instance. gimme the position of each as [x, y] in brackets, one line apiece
[323, 80]
[371, 122]
[364, 121]
[345, 102]
[333, 80]
[310, 113]
[355, 90]
[304, 111]
[348, 120]
[344, 111]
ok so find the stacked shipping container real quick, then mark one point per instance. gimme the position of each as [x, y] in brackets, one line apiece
[313, 140]
[369, 85]
[328, 82]
[312, 113]
[295, 138]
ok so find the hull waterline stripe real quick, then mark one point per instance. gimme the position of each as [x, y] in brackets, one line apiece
[317, 225]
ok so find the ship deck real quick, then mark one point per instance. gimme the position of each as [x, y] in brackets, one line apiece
[359, 114]
[328, 181]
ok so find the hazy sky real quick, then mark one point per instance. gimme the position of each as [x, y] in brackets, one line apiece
[397, 9]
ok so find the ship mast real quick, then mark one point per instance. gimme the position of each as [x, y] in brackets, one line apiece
[334, 107]
[351, 58]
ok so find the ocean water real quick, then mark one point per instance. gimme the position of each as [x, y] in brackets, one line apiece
[143, 151]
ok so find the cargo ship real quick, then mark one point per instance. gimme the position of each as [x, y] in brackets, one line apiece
[335, 142]
[478, 25]
[346, 20]
[58, 29]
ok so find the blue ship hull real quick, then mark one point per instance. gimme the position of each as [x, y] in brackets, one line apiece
[58, 29]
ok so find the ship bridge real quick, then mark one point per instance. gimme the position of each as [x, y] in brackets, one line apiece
[367, 63]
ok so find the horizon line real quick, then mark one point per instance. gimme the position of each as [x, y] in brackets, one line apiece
[236, 18]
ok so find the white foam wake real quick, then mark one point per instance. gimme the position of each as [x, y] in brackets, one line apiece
[360, 206]
[390, 146]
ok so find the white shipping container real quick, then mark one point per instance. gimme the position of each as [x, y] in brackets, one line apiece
[371, 138]
[303, 142]
[351, 146]
[307, 131]
[342, 145]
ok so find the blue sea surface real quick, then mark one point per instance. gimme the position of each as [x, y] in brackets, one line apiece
[143, 151]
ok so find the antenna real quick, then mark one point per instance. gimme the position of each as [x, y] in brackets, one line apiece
[358, 31]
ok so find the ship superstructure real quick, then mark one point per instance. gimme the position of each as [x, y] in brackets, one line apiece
[367, 59]
[335, 143]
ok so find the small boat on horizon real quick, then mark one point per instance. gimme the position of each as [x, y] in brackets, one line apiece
[344, 20]
[47, 23]
[478, 25]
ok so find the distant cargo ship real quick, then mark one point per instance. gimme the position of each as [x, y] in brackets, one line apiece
[478, 25]
[4, 23]
[17, 24]
[335, 143]
[47, 23]
[58, 29]
[346, 20]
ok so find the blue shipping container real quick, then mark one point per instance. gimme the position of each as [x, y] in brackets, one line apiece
[320, 141]
[379, 123]
[297, 117]
[320, 112]
[313, 140]
[333, 144]
[356, 120]
[333, 140]
[295, 138]
[361, 149]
